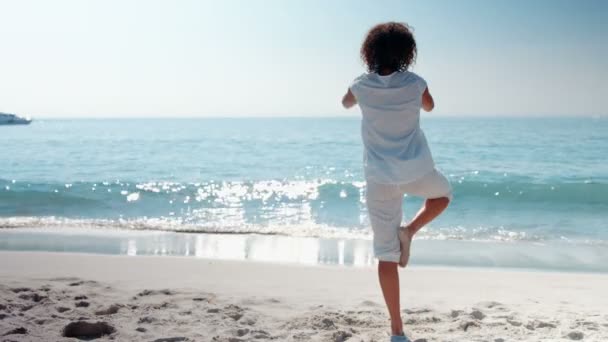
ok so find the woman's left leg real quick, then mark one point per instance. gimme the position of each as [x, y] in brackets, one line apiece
[388, 275]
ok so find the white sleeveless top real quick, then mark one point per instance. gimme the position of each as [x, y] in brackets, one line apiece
[396, 150]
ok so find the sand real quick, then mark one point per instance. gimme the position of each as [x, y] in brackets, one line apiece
[47, 296]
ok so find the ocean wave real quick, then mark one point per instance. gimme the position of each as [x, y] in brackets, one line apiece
[458, 233]
[481, 211]
[178, 226]
[214, 194]
[583, 193]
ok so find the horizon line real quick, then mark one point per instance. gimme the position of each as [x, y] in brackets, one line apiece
[311, 116]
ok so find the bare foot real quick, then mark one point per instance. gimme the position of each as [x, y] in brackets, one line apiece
[405, 236]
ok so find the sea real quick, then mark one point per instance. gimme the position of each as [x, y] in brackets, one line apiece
[529, 193]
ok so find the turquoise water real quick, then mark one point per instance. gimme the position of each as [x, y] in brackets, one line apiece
[540, 181]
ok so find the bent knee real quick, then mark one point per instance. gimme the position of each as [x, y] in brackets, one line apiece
[441, 201]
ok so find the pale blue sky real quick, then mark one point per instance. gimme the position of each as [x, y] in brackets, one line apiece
[250, 58]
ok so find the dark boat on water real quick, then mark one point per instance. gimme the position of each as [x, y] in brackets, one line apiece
[12, 119]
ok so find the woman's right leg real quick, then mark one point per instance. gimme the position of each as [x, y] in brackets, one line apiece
[438, 192]
[430, 210]
[436, 188]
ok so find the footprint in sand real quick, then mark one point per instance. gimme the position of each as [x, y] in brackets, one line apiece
[87, 330]
[41, 321]
[370, 303]
[545, 325]
[233, 311]
[341, 336]
[25, 308]
[536, 324]
[468, 324]
[16, 331]
[82, 282]
[514, 323]
[491, 305]
[416, 311]
[326, 324]
[456, 313]
[260, 334]
[576, 335]
[45, 288]
[242, 332]
[432, 319]
[82, 304]
[478, 315]
[112, 309]
[165, 292]
[35, 297]
[147, 319]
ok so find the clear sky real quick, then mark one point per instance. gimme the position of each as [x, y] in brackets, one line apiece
[249, 58]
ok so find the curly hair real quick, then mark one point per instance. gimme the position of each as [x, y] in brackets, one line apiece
[389, 47]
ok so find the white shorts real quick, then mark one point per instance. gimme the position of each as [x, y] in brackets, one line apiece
[385, 209]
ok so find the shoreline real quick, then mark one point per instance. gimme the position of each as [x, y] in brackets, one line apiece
[294, 302]
[543, 257]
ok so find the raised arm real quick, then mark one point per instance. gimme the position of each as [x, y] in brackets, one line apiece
[427, 101]
[349, 100]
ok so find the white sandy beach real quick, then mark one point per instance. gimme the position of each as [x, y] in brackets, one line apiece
[190, 299]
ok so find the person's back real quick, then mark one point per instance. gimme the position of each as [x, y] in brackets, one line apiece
[397, 158]
[396, 151]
